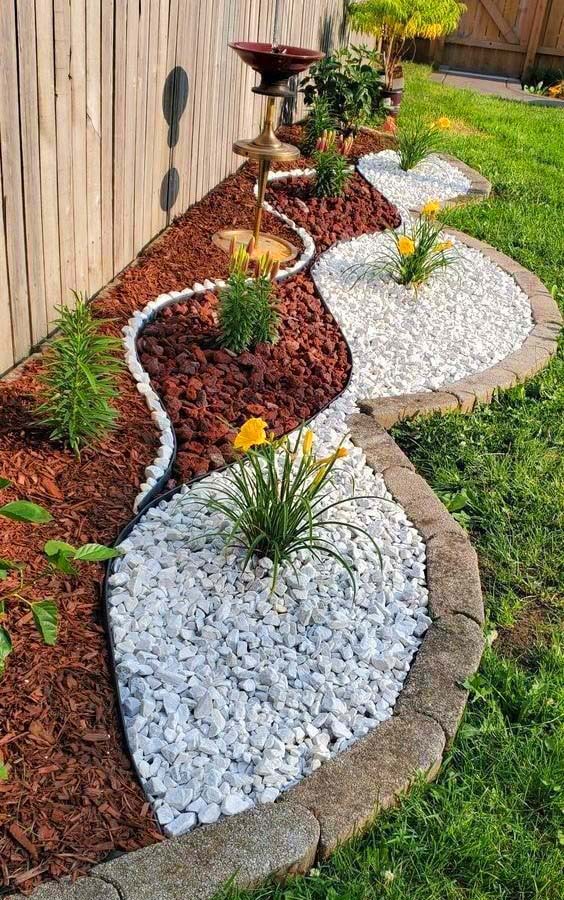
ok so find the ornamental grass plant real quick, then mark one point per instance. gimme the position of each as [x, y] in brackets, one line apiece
[410, 256]
[78, 380]
[277, 499]
[416, 140]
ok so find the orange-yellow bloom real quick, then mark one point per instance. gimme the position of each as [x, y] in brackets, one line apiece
[444, 245]
[308, 441]
[443, 122]
[338, 454]
[431, 208]
[406, 246]
[251, 434]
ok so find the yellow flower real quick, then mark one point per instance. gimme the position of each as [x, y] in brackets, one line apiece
[445, 245]
[338, 454]
[251, 434]
[406, 246]
[443, 122]
[431, 208]
[308, 441]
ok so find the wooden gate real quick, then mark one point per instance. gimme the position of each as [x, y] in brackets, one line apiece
[505, 37]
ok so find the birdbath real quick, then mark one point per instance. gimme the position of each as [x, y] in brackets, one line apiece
[276, 64]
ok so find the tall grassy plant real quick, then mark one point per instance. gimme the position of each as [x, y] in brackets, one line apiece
[416, 140]
[78, 381]
[277, 501]
[411, 256]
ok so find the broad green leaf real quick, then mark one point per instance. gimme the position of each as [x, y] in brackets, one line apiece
[53, 548]
[96, 553]
[4, 482]
[5, 647]
[24, 511]
[46, 617]
[4, 771]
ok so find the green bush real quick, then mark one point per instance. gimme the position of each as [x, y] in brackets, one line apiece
[248, 314]
[79, 378]
[350, 81]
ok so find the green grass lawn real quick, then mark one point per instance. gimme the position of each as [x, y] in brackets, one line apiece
[492, 826]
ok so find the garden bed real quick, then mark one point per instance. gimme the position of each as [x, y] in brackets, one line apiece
[67, 802]
[209, 393]
[72, 797]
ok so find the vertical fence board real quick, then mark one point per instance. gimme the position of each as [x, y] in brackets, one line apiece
[48, 159]
[29, 121]
[12, 182]
[93, 145]
[63, 115]
[7, 357]
[79, 179]
[120, 43]
[107, 125]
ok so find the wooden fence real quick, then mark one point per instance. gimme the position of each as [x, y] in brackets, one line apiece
[503, 37]
[115, 115]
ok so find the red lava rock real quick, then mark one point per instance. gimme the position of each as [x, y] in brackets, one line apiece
[283, 383]
[361, 210]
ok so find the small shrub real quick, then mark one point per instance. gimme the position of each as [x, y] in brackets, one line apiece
[319, 120]
[60, 558]
[350, 81]
[547, 74]
[79, 378]
[332, 168]
[411, 256]
[417, 139]
[248, 314]
[277, 498]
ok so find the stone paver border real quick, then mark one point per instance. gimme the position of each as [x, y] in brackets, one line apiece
[312, 819]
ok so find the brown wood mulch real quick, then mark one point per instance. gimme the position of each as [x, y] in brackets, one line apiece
[71, 798]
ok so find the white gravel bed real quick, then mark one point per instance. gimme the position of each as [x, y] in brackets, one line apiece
[230, 694]
[464, 320]
[432, 179]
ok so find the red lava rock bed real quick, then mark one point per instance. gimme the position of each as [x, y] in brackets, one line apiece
[361, 209]
[71, 798]
[209, 393]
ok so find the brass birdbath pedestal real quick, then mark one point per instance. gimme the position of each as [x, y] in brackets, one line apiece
[276, 64]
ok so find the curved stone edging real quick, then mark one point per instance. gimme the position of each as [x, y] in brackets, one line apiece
[311, 819]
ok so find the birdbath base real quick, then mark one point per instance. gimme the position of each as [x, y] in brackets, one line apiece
[280, 250]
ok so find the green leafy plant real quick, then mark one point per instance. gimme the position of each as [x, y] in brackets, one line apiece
[538, 88]
[60, 558]
[410, 256]
[332, 168]
[79, 378]
[318, 121]
[276, 499]
[248, 314]
[416, 140]
[350, 82]
[548, 75]
[396, 23]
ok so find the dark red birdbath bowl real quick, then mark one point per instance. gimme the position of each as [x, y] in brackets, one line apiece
[275, 64]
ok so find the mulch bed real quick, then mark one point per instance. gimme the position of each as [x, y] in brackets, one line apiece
[361, 209]
[209, 393]
[71, 798]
